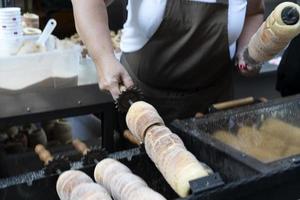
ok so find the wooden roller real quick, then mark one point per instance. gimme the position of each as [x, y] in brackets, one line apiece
[131, 138]
[199, 115]
[177, 165]
[89, 191]
[44, 155]
[121, 183]
[274, 34]
[89, 155]
[68, 180]
[52, 164]
[234, 103]
[81, 147]
[140, 117]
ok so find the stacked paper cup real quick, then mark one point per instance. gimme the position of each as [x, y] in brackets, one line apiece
[10, 30]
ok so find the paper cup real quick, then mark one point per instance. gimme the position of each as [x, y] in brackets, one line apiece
[10, 19]
[10, 34]
[10, 10]
[10, 27]
[10, 45]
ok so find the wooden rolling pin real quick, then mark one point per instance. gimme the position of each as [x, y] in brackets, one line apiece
[274, 34]
[130, 137]
[174, 161]
[234, 103]
[44, 155]
[122, 183]
[81, 147]
[53, 164]
[90, 155]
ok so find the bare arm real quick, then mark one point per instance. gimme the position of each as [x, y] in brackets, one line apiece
[92, 25]
[254, 18]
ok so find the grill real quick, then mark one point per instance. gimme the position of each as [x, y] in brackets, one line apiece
[237, 168]
[237, 175]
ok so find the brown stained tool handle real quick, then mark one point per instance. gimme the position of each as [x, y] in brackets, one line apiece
[199, 115]
[80, 147]
[234, 103]
[263, 99]
[129, 136]
[44, 155]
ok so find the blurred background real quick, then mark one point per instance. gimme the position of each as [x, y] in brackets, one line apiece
[61, 10]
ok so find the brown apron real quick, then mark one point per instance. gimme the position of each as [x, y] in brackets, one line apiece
[185, 66]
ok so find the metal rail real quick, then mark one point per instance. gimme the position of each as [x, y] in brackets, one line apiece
[50, 104]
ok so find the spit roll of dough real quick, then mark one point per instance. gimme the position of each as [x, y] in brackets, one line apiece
[90, 191]
[122, 183]
[275, 33]
[31, 31]
[174, 161]
[140, 117]
[31, 20]
[68, 180]
[282, 130]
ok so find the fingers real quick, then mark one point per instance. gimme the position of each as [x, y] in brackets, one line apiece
[114, 90]
[112, 87]
[126, 79]
[244, 68]
[247, 70]
[114, 79]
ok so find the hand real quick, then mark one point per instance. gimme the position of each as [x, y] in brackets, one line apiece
[244, 68]
[112, 75]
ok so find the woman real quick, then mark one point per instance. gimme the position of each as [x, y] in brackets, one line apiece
[288, 73]
[179, 52]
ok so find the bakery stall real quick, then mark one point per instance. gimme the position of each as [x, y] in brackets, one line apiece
[59, 137]
[49, 90]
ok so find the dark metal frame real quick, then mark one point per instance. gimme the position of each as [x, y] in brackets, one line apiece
[50, 104]
[200, 129]
[6, 3]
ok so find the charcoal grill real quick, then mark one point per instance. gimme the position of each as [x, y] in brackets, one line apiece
[271, 185]
[34, 185]
[238, 166]
[241, 176]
